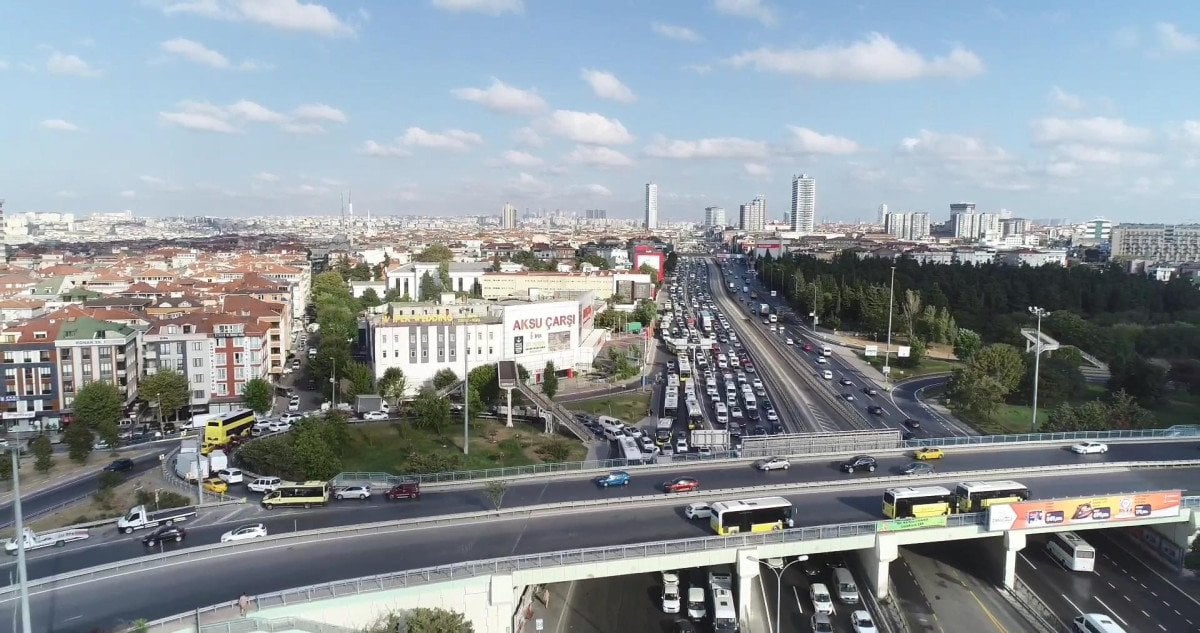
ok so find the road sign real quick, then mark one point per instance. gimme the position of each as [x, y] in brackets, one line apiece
[903, 351]
[872, 350]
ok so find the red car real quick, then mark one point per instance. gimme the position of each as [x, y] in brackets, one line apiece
[808, 347]
[404, 490]
[681, 484]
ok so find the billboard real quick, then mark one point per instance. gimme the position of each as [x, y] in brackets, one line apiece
[911, 523]
[535, 328]
[1084, 510]
[871, 350]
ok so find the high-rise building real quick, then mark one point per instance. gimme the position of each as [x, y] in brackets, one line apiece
[804, 203]
[883, 211]
[1161, 242]
[651, 206]
[907, 226]
[595, 214]
[1012, 226]
[508, 216]
[1097, 230]
[714, 217]
[753, 215]
[962, 207]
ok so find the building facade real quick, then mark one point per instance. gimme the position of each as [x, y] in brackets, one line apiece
[912, 226]
[753, 215]
[804, 203]
[1159, 242]
[651, 206]
[89, 350]
[714, 217]
[508, 216]
[546, 284]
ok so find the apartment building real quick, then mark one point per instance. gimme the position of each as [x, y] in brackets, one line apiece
[217, 353]
[1158, 242]
[89, 350]
[525, 284]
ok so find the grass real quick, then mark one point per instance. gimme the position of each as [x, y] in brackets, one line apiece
[1182, 408]
[926, 367]
[630, 407]
[384, 448]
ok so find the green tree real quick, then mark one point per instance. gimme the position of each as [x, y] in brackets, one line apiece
[258, 395]
[486, 385]
[369, 298]
[360, 272]
[434, 253]
[1141, 379]
[424, 463]
[430, 412]
[444, 378]
[167, 389]
[436, 620]
[98, 408]
[392, 385]
[550, 380]
[966, 343]
[79, 441]
[313, 455]
[444, 280]
[360, 380]
[393, 295]
[495, 490]
[647, 269]
[672, 262]
[1001, 362]
[1124, 412]
[428, 290]
[43, 454]
[916, 353]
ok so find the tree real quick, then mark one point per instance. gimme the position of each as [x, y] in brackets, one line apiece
[370, 298]
[672, 262]
[360, 380]
[392, 385]
[98, 408]
[1124, 412]
[431, 413]
[486, 385]
[258, 395]
[495, 490]
[1001, 362]
[434, 253]
[966, 343]
[1141, 379]
[647, 269]
[313, 455]
[43, 454]
[169, 389]
[550, 380]
[393, 295]
[79, 441]
[992, 373]
[555, 449]
[444, 378]
[916, 353]
[428, 290]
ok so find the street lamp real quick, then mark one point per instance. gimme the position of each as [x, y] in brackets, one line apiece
[1037, 361]
[887, 368]
[779, 571]
[18, 518]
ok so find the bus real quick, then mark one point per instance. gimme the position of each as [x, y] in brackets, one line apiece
[977, 496]
[1071, 551]
[908, 502]
[685, 369]
[662, 432]
[672, 383]
[630, 451]
[706, 322]
[218, 431]
[670, 403]
[766, 514]
[307, 494]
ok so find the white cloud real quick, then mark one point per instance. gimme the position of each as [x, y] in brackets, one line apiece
[319, 112]
[607, 86]
[1065, 100]
[1062, 169]
[266, 176]
[876, 58]
[521, 159]
[751, 9]
[952, 147]
[450, 140]
[528, 137]
[487, 7]
[213, 118]
[527, 185]
[59, 125]
[198, 53]
[812, 142]
[253, 112]
[1091, 131]
[381, 150]
[128, 193]
[63, 64]
[1101, 155]
[64, 193]
[1190, 131]
[4, 65]
[757, 170]
[677, 33]
[203, 117]
[1172, 40]
[286, 15]
[699, 69]
[588, 127]
[726, 147]
[503, 98]
[592, 189]
[598, 157]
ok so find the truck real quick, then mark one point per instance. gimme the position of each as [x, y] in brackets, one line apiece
[720, 586]
[33, 540]
[140, 517]
[365, 403]
[199, 420]
[192, 466]
[764, 309]
[716, 440]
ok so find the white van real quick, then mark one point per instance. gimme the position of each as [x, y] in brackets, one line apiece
[827, 375]
[722, 361]
[1096, 623]
[843, 583]
[826, 350]
[695, 603]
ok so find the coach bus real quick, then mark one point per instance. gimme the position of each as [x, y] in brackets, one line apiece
[307, 494]
[1071, 551]
[670, 403]
[765, 514]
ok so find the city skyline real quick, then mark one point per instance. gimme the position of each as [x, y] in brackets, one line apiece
[228, 107]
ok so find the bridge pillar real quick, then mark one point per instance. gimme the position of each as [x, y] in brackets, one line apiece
[1013, 543]
[502, 604]
[1182, 533]
[747, 574]
[878, 560]
[508, 421]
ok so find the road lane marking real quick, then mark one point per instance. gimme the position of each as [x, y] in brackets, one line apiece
[1109, 609]
[1064, 597]
[988, 613]
[1027, 561]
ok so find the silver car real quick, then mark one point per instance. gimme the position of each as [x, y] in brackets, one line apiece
[353, 492]
[773, 463]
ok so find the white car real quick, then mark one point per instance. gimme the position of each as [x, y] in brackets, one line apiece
[772, 416]
[245, 533]
[290, 418]
[264, 484]
[773, 463]
[230, 475]
[757, 383]
[862, 622]
[736, 412]
[821, 360]
[375, 415]
[699, 510]
[790, 341]
[293, 405]
[821, 600]
[262, 426]
[280, 426]
[1085, 448]
[353, 492]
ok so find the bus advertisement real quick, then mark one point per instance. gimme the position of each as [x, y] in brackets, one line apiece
[1085, 510]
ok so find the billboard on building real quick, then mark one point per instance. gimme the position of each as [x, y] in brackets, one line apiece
[587, 308]
[541, 327]
[1084, 510]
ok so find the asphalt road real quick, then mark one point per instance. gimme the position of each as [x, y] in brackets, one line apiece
[85, 485]
[619, 603]
[90, 604]
[796, 607]
[908, 398]
[957, 583]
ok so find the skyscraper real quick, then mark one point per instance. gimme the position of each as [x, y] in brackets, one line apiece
[804, 203]
[753, 215]
[883, 211]
[508, 216]
[714, 217]
[651, 206]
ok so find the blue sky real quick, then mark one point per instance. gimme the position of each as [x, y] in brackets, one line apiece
[245, 107]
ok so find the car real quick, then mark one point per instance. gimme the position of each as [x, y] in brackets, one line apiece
[1086, 448]
[736, 412]
[698, 510]
[293, 405]
[870, 391]
[375, 415]
[296, 364]
[917, 468]
[757, 383]
[822, 602]
[290, 418]
[684, 626]
[264, 484]
[772, 416]
[216, 486]
[615, 478]
[875, 409]
[849, 397]
[244, 533]
[808, 347]
[789, 341]
[279, 426]
[681, 484]
[846, 382]
[912, 424]
[119, 466]
[230, 475]
[821, 623]
[860, 462]
[164, 534]
[410, 489]
[262, 426]
[821, 360]
[772, 463]
[681, 444]
[862, 623]
[353, 492]
[929, 452]
[101, 445]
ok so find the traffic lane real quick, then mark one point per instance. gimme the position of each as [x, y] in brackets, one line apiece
[797, 606]
[43, 500]
[1167, 602]
[617, 603]
[958, 579]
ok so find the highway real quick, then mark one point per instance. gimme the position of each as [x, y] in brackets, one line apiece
[209, 581]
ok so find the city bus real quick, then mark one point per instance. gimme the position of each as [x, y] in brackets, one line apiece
[926, 501]
[630, 451]
[672, 383]
[307, 494]
[662, 432]
[977, 496]
[1071, 551]
[765, 514]
[685, 369]
[670, 403]
[218, 431]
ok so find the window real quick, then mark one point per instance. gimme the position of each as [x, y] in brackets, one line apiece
[198, 394]
[39, 335]
[11, 372]
[384, 352]
[197, 346]
[106, 366]
[239, 373]
[222, 389]
[44, 356]
[180, 348]
[44, 371]
[199, 378]
[222, 374]
[238, 358]
[8, 357]
[197, 362]
[67, 369]
[105, 352]
[64, 354]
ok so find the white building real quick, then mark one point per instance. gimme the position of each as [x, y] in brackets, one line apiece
[464, 276]
[753, 215]
[912, 226]
[651, 206]
[421, 339]
[804, 203]
[508, 216]
[714, 217]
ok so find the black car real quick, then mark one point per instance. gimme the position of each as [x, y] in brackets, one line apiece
[165, 534]
[119, 466]
[912, 424]
[875, 409]
[870, 391]
[684, 626]
[859, 462]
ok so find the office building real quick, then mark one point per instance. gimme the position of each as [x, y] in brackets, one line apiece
[962, 207]
[1159, 242]
[651, 206]
[1097, 230]
[595, 214]
[912, 226]
[804, 203]
[883, 211]
[714, 217]
[753, 215]
[1012, 226]
[508, 216]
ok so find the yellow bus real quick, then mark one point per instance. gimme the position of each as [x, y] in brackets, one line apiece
[218, 431]
[926, 501]
[766, 514]
[307, 494]
[978, 496]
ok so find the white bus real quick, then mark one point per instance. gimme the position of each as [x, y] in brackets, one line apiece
[662, 432]
[630, 451]
[685, 368]
[670, 403]
[1071, 551]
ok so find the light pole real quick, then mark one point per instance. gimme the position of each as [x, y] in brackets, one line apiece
[466, 402]
[22, 576]
[887, 368]
[1037, 362]
[779, 571]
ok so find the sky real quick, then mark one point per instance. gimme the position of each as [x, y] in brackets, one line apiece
[453, 107]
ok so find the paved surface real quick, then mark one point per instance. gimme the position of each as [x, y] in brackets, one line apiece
[89, 604]
[796, 608]
[956, 580]
[616, 604]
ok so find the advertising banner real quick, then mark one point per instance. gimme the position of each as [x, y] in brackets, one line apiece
[1084, 510]
[912, 523]
[871, 350]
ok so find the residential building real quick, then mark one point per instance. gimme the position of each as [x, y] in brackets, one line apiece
[508, 216]
[500, 285]
[651, 206]
[804, 203]
[464, 276]
[912, 226]
[714, 217]
[883, 211]
[1012, 226]
[1158, 242]
[88, 350]
[753, 216]
[1096, 230]
[28, 360]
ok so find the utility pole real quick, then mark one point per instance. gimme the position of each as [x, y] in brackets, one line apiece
[466, 401]
[22, 575]
[887, 367]
[1037, 362]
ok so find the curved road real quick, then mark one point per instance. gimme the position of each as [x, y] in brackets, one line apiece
[85, 485]
[85, 605]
